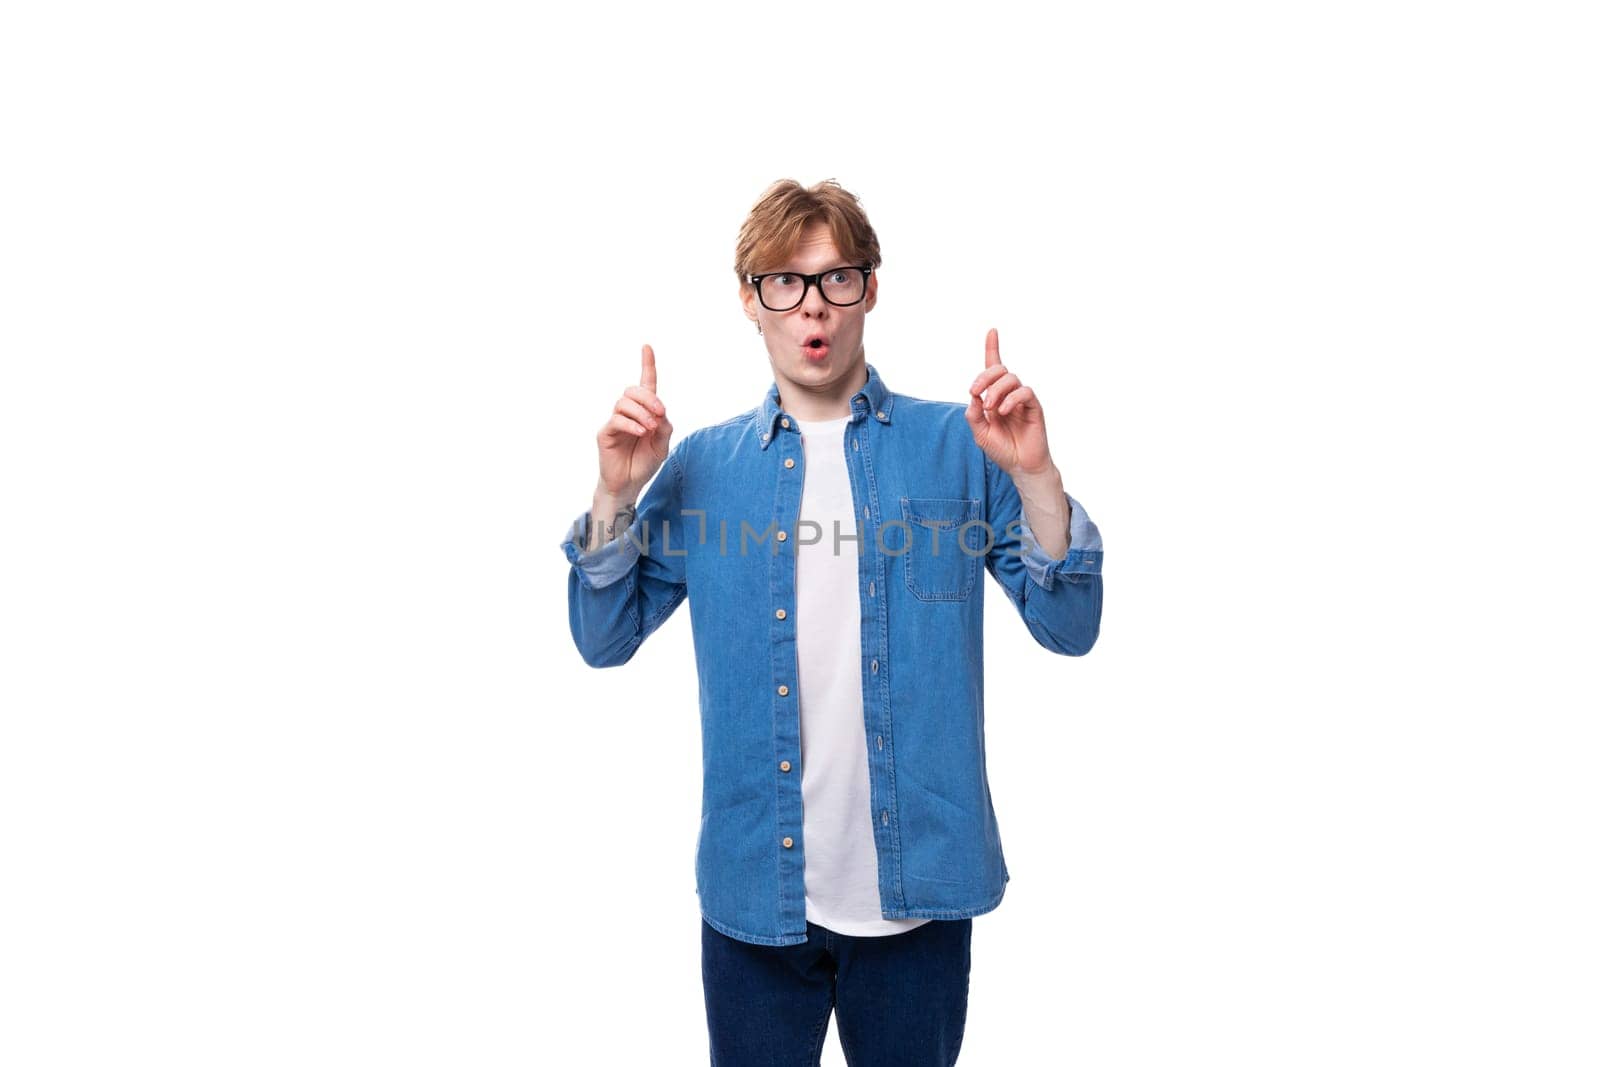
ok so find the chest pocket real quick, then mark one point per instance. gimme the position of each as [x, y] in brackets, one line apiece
[937, 568]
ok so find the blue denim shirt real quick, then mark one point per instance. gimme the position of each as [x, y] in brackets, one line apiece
[718, 526]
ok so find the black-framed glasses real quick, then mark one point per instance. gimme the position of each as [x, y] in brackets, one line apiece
[783, 290]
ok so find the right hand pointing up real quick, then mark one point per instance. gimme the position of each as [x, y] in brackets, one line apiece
[635, 440]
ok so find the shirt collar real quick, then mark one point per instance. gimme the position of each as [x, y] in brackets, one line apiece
[872, 400]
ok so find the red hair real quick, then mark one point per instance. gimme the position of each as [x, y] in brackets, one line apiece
[770, 234]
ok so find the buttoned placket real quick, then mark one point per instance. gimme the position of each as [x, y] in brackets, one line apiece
[788, 460]
[875, 653]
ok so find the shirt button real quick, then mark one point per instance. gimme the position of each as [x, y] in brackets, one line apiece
[855, 446]
[765, 436]
[872, 588]
[783, 690]
[789, 463]
[874, 666]
[783, 535]
[788, 842]
[880, 742]
[784, 766]
[866, 513]
[881, 416]
[886, 816]
[785, 423]
[782, 614]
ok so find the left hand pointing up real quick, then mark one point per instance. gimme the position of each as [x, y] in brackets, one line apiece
[1006, 419]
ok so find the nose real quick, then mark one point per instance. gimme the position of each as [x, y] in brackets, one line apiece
[812, 304]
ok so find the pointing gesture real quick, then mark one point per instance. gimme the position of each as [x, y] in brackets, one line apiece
[1006, 419]
[635, 439]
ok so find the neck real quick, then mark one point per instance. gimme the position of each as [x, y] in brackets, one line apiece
[821, 403]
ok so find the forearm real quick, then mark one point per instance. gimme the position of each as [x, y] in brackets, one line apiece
[1046, 509]
[603, 512]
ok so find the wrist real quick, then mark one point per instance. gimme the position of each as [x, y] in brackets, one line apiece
[1045, 478]
[608, 501]
[609, 515]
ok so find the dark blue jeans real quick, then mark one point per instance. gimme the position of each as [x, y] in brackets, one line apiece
[901, 999]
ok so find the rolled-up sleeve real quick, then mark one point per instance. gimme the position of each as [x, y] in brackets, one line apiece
[621, 593]
[605, 565]
[1058, 599]
[1084, 549]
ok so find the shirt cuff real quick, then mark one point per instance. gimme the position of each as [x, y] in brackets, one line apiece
[1084, 550]
[607, 564]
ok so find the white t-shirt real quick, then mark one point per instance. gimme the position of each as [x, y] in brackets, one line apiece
[841, 855]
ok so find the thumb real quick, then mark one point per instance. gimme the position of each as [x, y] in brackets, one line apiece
[975, 417]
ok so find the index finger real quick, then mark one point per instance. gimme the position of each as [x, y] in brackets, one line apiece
[991, 348]
[647, 368]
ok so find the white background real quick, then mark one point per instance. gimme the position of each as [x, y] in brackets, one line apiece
[310, 313]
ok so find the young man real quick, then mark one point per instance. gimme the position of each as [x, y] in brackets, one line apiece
[829, 542]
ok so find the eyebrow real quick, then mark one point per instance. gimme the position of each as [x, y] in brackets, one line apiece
[797, 270]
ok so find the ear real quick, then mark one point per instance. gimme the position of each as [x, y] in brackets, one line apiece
[747, 296]
[872, 290]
